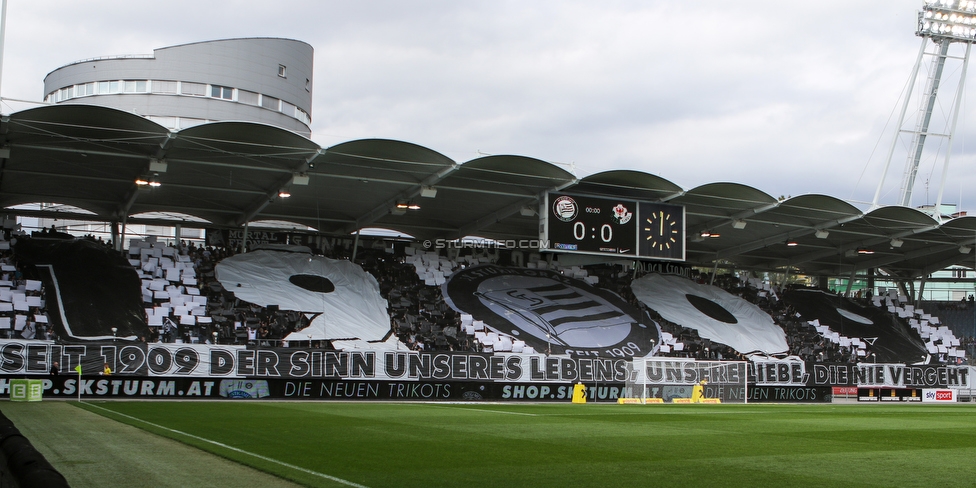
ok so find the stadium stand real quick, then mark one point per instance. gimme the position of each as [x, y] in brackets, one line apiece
[184, 302]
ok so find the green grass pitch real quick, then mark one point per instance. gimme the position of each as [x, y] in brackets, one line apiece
[565, 445]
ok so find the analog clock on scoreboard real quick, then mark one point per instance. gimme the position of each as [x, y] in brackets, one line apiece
[592, 225]
[661, 231]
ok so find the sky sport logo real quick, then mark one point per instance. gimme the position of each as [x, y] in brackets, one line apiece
[533, 244]
[939, 395]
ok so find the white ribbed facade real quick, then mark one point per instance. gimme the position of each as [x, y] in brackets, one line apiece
[263, 80]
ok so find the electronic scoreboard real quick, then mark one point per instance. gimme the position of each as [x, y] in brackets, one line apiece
[601, 225]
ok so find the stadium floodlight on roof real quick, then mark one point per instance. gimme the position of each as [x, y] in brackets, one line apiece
[941, 23]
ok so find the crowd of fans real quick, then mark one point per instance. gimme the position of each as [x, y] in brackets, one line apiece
[419, 315]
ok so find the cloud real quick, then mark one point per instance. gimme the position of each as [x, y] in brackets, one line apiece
[789, 97]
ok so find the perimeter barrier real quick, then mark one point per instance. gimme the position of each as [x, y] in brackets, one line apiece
[23, 463]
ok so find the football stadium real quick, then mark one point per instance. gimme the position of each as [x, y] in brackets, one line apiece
[194, 293]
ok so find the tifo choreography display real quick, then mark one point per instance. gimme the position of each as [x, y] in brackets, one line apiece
[405, 323]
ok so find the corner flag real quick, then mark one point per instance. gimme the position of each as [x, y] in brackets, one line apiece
[78, 369]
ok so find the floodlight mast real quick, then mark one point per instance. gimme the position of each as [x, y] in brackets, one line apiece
[943, 22]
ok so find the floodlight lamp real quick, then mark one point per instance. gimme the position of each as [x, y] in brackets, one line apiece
[527, 211]
[402, 205]
[896, 242]
[413, 206]
[738, 224]
[714, 235]
[706, 233]
[148, 180]
[965, 249]
[792, 243]
[284, 193]
[428, 192]
[822, 234]
[864, 251]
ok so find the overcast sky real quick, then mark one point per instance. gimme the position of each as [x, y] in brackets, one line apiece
[788, 97]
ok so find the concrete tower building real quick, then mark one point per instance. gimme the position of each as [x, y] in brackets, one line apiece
[263, 80]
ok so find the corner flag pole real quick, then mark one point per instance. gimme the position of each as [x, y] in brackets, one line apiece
[78, 369]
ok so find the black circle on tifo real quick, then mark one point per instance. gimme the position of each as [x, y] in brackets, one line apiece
[319, 284]
[711, 309]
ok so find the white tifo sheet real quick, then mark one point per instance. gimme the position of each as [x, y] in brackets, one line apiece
[355, 310]
[753, 333]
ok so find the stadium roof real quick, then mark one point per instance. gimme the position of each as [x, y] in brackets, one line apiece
[231, 173]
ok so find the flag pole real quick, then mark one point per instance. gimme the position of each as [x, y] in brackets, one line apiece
[78, 369]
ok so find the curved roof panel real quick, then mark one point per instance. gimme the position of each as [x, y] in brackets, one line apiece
[79, 155]
[484, 196]
[637, 185]
[232, 173]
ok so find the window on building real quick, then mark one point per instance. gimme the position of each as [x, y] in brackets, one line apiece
[308, 85]
[248, 97]
[288, 109]
[270, 103]
[164, 87]
[303, 116]
[66, 93]
[84, 90]
[224, 92]
[135, 86]
[193, 89]
[281, 71]
[109, 87]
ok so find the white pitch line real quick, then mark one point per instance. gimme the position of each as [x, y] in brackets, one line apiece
[232, 448]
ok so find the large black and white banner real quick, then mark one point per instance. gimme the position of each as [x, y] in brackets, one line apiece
[342, 299]
[552, 312]
[196, 360]
[34, 358]
[232, 238]
[890, 339]
[91, 293]
[716, 314]
[800, 373]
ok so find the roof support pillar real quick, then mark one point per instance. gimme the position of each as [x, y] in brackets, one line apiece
[122, 233]
[355, 246]
[116, 241]
[871, 280]
[921, 289]
[850, 282]
[244, 239]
